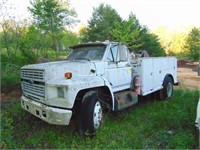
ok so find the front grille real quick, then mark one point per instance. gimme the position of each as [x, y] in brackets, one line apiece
[37, 75]
[33, 85]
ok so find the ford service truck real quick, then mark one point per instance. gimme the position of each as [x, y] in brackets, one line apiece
[95, 77]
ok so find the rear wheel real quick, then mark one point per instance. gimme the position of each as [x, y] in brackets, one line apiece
[167, 90]
[91, 114]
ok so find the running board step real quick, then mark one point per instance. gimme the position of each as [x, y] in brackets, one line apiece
[125, 99]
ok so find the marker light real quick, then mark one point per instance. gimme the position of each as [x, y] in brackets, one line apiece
[68, 75]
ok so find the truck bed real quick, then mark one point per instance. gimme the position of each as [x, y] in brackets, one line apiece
[152, 71]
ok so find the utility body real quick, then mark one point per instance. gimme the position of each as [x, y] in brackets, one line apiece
[95, 77]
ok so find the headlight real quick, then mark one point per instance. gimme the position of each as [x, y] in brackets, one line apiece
[60, 92]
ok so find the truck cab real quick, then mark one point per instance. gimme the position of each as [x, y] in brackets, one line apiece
[95, 77]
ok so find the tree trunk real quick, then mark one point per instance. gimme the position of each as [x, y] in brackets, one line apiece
[55, 44]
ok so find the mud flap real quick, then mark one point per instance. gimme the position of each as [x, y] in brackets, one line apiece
[125, 99]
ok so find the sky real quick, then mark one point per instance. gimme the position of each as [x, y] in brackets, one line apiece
[173, 14]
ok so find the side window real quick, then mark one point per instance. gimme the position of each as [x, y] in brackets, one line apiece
[113, 54]
[123, 53]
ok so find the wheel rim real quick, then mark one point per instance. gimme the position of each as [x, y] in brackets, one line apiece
[169, 89]
[97, 115]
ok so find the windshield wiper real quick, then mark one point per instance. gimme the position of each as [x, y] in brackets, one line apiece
[82, 58]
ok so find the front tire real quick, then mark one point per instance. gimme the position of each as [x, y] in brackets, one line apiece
[90, 114]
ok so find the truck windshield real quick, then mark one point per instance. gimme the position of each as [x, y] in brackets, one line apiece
[93, 52]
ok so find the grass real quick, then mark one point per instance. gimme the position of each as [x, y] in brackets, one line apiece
[149, 125]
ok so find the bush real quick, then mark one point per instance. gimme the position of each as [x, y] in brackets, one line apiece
[193, 44]
[10, 66]
[10, 77]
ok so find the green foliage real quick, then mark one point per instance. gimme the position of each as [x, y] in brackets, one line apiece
[164, 38]
[101, 24]
[149, 125]
[35, 44]
[10, 77]
[9, 111]
[193, 43]
[129, 32]
[23, 42]
[137, 37]
[50, 17]
[126, 32]
[10, 70]
[7, 140]
[69, 39]
[11, 36]
[177, 43]
[83, 35]
[183, 44]
[151, 44]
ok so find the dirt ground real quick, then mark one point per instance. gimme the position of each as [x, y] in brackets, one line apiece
[187, 77]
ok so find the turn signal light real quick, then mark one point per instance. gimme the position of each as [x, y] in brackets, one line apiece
[68, 75]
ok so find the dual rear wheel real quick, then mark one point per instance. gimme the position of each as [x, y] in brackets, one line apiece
[167, 90]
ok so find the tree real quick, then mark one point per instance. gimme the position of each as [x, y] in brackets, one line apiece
[101, 24]
[151, 44]
[172, 41]
[51, 16]
[33, 44]
[83, 34]
[193, 43]
[107, 24]
[69, 39]
[137, 37]
[128, 32]
[176, 46]
[164, 37]
[12, 34]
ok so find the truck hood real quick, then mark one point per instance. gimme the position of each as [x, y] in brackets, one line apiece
[56, 70]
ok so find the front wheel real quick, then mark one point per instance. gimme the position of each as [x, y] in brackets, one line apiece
[167, 90]
[91, 114]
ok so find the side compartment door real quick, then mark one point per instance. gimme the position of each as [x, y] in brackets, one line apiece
[147, 76]
[157, 70]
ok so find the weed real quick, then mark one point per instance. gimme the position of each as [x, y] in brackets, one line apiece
[7, 140]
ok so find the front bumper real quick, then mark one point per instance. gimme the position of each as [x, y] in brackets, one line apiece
[49, 114]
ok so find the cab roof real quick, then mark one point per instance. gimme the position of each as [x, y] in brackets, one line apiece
[93, 43]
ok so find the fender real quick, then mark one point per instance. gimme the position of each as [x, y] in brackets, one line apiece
[166, 76]
[72, 87]
[107, 83]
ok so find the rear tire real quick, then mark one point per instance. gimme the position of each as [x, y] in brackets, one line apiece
[90, 115]
[167, 90]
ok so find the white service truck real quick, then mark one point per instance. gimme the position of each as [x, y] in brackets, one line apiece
[95, 77]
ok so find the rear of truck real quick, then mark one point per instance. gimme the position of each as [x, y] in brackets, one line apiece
[153, 72]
